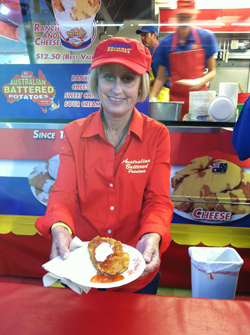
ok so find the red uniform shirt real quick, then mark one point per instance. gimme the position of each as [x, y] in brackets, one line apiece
[122, 196]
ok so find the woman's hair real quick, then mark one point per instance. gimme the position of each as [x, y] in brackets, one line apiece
[93, 84]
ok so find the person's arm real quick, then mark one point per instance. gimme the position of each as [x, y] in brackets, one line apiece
[157, 209]
[240, 139]
[159, 82]
[61, 239]
[195, 84]
[148, 245]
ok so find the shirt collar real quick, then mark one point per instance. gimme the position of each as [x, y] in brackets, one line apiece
[189, 39]
[95, 126]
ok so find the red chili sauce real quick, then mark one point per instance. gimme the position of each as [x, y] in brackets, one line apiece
[104, 279]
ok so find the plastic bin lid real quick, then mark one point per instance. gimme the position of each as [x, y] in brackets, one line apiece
[221, 108]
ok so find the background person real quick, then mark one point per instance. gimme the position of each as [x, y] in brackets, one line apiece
[240, 139]
[149, 38]
[185, 53]
[113, 178]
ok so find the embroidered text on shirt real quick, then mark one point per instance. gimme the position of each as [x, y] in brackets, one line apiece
[134, 166]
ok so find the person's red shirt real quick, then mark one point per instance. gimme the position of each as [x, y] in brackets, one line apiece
[121, 196]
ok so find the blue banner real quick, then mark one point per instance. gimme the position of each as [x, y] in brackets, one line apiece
[48, 92]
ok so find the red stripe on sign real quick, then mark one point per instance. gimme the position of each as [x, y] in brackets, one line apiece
[32, 144]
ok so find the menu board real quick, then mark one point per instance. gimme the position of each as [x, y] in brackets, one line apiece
[46, 92]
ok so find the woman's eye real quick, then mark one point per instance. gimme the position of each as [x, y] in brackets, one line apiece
[109, 76]
[127, 79]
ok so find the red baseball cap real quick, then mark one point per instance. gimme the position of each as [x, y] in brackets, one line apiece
[186, 7]
[124, 51]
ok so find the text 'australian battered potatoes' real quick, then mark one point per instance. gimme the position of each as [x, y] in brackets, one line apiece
[111, 260]
[197, 186]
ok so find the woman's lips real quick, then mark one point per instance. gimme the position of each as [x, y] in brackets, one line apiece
[116, 99]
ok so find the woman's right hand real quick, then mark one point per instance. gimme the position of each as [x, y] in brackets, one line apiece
[61, 239]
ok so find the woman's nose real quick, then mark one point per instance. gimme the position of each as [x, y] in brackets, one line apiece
[117, 86]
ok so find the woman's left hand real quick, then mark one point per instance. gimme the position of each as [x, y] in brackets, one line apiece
[148, 245]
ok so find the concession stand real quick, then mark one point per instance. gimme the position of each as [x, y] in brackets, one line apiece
[44, 75]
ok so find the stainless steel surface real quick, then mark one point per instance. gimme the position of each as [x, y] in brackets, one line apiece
[24, 125]
[165, 111]
[197, 130]
[172, 129]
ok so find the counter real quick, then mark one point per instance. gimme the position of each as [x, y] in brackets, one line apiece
[29, 309]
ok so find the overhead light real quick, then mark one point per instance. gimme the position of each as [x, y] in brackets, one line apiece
[110, 24]
[183, 24]
[243, 24]
[148, 24]
[4, 10]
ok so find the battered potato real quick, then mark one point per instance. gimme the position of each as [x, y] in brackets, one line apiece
[196, 165]
[84, 9]
[197, 186]
[58, 5]
[115, 263]
[42, 181]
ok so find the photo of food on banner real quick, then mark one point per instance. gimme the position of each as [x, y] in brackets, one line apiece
[218, 189]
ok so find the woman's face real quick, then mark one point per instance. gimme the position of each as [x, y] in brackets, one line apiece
[118, 89]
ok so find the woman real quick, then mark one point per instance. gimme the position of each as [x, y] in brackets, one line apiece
[113, 179]
[185, 53]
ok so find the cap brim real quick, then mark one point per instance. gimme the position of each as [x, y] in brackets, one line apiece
[135, 67]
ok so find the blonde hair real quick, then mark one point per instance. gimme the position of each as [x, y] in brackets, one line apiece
[93, 84]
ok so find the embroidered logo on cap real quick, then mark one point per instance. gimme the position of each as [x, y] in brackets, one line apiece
[119, 47]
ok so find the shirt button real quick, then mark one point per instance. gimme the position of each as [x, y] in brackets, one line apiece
[111, 185]
[109, 231]
[112, 208]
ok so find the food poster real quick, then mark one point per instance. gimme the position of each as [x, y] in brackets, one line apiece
[68, 35]
[46, 92]
[28, 167]
[209, 184]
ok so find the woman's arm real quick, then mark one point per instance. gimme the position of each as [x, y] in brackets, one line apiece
[157, 208]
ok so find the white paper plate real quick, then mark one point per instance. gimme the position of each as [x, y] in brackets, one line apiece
[221, 109]
[79, 269]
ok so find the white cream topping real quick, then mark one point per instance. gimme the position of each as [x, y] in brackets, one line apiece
[103, 251]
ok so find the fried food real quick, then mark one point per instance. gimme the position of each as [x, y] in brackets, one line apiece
[197, 186]
[42, 181]
[77, 10]
[43, 177]
[196, 165]
[115, 263]
[84, 9]
[58, 5]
